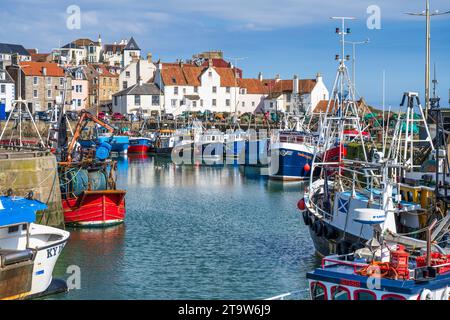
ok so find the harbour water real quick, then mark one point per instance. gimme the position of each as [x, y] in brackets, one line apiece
[194, 232]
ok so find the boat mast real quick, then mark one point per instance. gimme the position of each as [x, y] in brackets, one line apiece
[428, 16]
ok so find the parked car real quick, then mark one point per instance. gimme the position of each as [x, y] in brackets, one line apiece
[72, 115]
[42, 116]
[101, 116]
[169, 117]
[118, 116]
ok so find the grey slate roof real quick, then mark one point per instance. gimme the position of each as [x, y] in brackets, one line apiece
[132, 45]
[13, 48]
[145, 89]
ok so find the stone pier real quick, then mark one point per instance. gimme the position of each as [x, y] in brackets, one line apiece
[36, 171]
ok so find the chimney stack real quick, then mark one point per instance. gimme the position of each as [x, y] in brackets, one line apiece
[44, 71]
[295, 85]
[210, 63]
[277, 78]
[149, 57]
[319, 77]
[260, 76]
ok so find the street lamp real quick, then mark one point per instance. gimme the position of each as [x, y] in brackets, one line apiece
[428, 16]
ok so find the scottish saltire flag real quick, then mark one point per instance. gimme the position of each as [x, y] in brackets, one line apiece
[343, 205]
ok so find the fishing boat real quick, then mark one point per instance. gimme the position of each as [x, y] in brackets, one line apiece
[165, 141]
[87, 177]
[401, 276]
[384, 183]
[292, 151]
[29, 251]
[140, 145]
[234, 144]
[383, 269]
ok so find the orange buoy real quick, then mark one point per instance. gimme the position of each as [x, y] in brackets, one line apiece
[307, 167]
[301, 205]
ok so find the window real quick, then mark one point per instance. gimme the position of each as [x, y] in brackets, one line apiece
[125, 84]
[318, 291]
[196, 89]
[35, 81]
[49, 105]
[155, 100]
[79, 103]
[271, 105]
[174, 102]
[35, 94]
[127, 74]
[210, 74]
[194, 104]
[288, 97]
[392, 297]
[61, 81]
[227, 102]
[340, 293]
[175, 90]
[243, 103]
[137, 100]
[201, 102]
[3, 88]
[184, 90]
[104, 81]
[49, 93]
[214, 89]
[364, 295]
[115, 101]
[214, 102]
[253, 103]
[49, 81]
[228, 89]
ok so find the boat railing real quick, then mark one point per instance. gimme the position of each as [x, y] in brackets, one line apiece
[336, 261]
[289, 296]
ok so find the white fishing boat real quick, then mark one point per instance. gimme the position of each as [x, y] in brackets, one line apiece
[29, 251]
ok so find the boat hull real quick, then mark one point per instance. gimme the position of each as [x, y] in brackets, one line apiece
[95, 209]
[290, 162]
[139, 146]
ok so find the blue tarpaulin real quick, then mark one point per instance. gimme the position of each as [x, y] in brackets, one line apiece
[15, 210]
[2, 111]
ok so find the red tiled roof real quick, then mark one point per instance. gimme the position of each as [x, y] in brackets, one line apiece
[39, 57]
[322, 106]
[35, 69]
[253, 86]
[304, 85]
[174, 74]
[104, 71]
[227, 77]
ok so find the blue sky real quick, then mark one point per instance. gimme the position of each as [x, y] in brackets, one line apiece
[283, 37]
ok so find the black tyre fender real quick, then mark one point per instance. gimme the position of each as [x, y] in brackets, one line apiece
[306, 218]
[343, 247]
[318, 228]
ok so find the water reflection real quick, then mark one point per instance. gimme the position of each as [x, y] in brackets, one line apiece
[194, 232]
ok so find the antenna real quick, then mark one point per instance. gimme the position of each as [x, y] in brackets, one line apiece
[428, 16]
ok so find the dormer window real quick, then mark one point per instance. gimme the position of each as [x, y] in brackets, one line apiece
[174, 81]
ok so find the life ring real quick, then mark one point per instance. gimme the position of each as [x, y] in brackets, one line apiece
[426, 294]
[343, 247]
[306, 218]
[318, 228]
